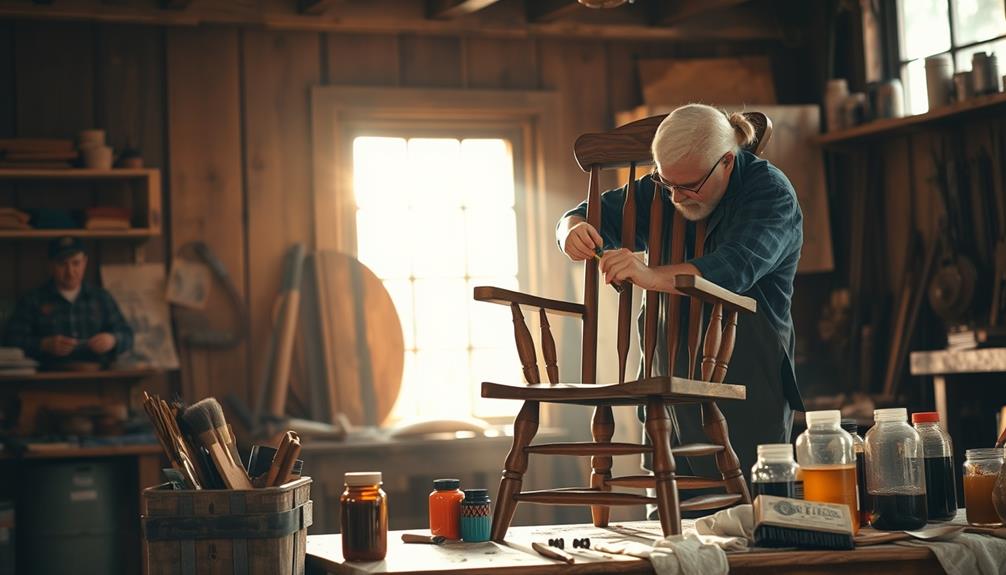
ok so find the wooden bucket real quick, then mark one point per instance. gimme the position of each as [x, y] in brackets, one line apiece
[247, 531]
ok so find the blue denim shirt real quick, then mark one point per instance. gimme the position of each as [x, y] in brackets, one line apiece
[752, 246]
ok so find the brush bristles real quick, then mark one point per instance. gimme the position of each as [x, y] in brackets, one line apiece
[214, 410]
[198, 419]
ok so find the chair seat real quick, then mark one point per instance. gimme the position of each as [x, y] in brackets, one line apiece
[670, 389]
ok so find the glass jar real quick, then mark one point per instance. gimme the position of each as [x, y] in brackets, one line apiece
[775, 472]
[364, 517]
[938, 460]
[476, 515]
[981, 468]
[828, 462]
[895, 477]
[445, 508]
[859, 448]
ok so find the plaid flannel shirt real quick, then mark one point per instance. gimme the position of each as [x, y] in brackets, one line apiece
[44, 312]
[753, 240]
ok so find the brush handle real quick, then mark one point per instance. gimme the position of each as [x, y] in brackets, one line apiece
[234, 475]
[289, 459]
[553, 553]
[279, 459]
[226, 434]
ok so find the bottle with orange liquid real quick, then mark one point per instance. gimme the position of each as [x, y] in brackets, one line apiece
[828, 462]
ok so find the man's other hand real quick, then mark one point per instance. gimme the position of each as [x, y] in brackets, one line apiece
[58, 345]
[101, 343]
[580, 242]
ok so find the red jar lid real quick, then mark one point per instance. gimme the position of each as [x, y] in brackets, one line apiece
[925, 417]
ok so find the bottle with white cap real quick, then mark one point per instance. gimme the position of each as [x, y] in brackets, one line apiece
[828, 462]
[775, 472]
[895, 475]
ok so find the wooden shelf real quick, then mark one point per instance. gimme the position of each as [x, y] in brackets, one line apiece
[104, 375]
[894, 126]
[77, 174]
[78, 233]
[81, 452]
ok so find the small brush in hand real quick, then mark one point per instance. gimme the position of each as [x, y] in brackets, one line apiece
[598, 254]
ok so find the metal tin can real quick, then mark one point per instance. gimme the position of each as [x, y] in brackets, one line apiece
[476, 515]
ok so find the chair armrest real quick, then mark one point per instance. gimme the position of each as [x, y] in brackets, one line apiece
[502, 296]
[707, 291]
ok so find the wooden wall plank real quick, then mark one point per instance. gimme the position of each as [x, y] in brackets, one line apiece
[363, 59]
[8, 250]
[129, 97]
[433, 61]
[54, 87]
[204, 130]
[279, 70]
[501, 63]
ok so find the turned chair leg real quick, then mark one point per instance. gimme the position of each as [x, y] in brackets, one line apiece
[603, 429]
[524, 429]
[658, 428]
[714, 424]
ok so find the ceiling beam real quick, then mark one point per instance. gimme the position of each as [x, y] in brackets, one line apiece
[550, 10]
[677, 11]
[175, 4]
[316, 7]
[447, 9]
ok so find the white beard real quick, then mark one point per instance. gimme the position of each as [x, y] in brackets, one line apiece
[693, 211]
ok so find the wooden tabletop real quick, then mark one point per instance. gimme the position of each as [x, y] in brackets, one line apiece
[324, 555]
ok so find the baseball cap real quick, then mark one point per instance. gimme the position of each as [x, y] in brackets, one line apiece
[64, 247]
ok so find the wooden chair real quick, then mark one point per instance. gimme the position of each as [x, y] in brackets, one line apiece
[628, 146]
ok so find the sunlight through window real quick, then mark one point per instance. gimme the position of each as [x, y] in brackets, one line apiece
[445, 223]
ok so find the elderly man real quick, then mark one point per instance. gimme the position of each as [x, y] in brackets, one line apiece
[67, 320]
[752, 246]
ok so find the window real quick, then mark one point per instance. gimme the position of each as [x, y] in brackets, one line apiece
[435, 217]
[956, 27]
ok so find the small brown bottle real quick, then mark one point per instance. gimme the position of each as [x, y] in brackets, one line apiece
[364, 517]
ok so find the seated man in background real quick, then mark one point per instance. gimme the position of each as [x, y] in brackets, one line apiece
[67, 320]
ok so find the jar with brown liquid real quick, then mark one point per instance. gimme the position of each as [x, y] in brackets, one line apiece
[981, 469]
[828, 462]
[364, 517]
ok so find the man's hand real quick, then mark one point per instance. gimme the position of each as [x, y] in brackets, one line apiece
[58, 345]
[621, 265]
[580, 241]
[101, 343]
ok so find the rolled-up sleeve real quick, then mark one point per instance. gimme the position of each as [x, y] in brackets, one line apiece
[766, 228]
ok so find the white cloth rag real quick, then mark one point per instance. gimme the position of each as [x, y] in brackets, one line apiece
[675, 555]
[968, 554]
[735, 525]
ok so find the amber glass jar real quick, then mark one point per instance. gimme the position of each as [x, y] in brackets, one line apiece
[364, 517]
[981, 468]
[445, 508]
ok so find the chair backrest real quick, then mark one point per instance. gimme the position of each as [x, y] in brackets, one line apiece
[628, 146]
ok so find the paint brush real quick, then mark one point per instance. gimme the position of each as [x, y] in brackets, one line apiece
[598, 254]
[199, 419]
[553, 553]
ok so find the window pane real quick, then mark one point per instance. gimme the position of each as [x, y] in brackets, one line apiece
[499, 366]
[438, 244]
[372, 159]
[441, 307]
[401, 294]
[433, 174]
[446, 383]
[488, 172]
[492, 242]
[492, 324]
[407, 404]
[913, 76]
[925, 28]
[977, 20]
[386, 257]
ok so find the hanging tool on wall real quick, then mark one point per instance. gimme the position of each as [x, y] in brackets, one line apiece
[192, 326]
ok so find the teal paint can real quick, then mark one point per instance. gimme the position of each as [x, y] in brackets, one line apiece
[476, 515]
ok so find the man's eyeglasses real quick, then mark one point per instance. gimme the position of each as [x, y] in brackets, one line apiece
[660, 181]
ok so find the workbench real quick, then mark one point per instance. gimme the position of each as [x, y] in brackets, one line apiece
[324, 555]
